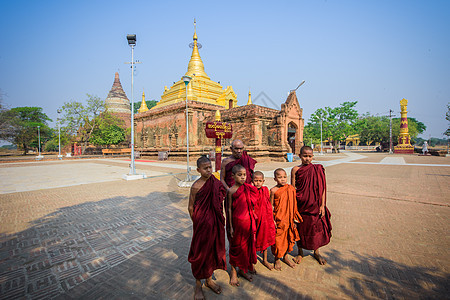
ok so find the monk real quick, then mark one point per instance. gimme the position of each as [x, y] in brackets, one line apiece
[265, 224]
[238, 157]
[242, 198]
[286, 216]
[310, 183]
[207, 252]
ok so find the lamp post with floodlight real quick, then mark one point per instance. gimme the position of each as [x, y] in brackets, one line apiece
[186, 80]
[59, 134]
[132, 42]
[39, 141]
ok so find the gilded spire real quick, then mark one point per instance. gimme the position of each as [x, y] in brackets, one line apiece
[195, 65]
[143, 107]
[249, 98]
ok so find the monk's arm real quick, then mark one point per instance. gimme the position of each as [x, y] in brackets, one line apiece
[293, 171]
[192, 194]
[230, 212]
[222, 174]
[271, 203]
[324, 199]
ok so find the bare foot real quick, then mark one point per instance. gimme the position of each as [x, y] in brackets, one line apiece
[319, 258]
[234, 281]
[267, 265]
[297, 259]
[288, 262]
[247, 275]
[198, 293]
[277, 264]
[213, 286]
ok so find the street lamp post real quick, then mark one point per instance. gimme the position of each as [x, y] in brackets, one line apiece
[321, 151]
[132, 42]
[39, 141]
[186, 80]
[59, 134]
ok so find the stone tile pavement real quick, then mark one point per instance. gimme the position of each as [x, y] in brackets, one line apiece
[130, 240]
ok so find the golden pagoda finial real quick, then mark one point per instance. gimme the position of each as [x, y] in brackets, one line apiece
[249, 97]
[195, 65]
[143, 107]
[218, 116]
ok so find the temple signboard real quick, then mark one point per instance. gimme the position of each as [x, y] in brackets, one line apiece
[218, 130]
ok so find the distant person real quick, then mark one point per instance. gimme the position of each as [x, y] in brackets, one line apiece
[207, 252]
[242, 198]
[265, 225]
[286, 216]
[310, 182]
[425, 148]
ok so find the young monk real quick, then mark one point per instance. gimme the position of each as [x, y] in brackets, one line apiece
[242, 198]
[286, 216]
[265, 225]
[310, 183]
[207, 252]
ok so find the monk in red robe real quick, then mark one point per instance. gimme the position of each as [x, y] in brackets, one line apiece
[238, 157]
[285, 213]
[310, 183]
[207, 252]
[265, 225]
[242, 198]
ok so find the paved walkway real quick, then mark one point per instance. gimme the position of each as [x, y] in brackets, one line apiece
[121, 240]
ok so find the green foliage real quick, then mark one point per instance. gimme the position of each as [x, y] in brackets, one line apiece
[150, 104]
[109, 130]
[414, 128]
[81, 120]
[22, 127]
[337, 123]
[372, 129]
[432, 142]
[9, 147]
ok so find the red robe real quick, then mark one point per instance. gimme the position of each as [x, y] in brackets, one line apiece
[265, 227]
[242, 245]
[207, 251]
[310, 184]
[285, 212]
[247, 162]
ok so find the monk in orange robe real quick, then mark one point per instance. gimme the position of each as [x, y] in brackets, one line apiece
[242, 198]
[310, 183]
[282, 196]
[207, 252]
[265, 225]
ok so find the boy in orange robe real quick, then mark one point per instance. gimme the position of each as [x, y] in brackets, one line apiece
[265, 225]
[285, 214]
[310, 183]
[242, 199]
[207, 252]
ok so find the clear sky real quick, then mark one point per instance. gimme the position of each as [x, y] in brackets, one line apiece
[373, 52]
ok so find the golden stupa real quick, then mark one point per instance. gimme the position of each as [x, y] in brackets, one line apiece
[143, 107]
[201, 88]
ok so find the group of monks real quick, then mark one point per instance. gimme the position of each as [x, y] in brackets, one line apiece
[256, 218]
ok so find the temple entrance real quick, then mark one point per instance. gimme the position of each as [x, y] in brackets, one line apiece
[292, 130]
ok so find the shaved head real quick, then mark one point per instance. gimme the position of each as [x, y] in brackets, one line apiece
[237, 168]
[305, 148]
[237, 148]
[237, 143]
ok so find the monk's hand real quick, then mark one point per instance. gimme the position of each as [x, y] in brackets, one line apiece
[322, 211]
[231, 232]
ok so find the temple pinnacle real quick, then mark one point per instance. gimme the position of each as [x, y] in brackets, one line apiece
[249, 98]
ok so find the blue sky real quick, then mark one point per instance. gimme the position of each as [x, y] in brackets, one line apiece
[373, 52]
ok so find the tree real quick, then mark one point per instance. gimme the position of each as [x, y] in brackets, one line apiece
[109, 131]
[414, 128]
[81, 120]
[337, 123]
[372, 129]
[23, 123]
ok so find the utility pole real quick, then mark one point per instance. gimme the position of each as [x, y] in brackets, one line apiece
[390, 130]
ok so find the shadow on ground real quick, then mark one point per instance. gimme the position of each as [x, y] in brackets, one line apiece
[137, 247]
